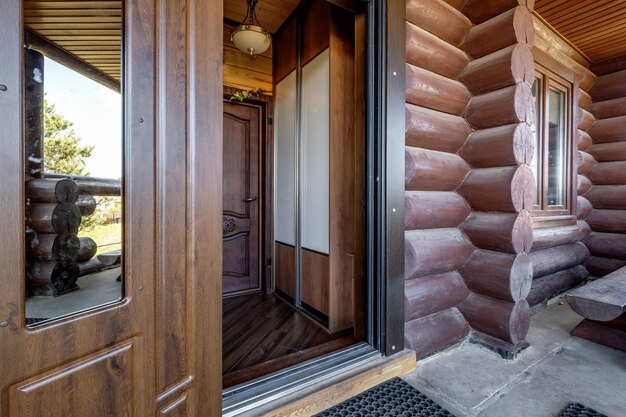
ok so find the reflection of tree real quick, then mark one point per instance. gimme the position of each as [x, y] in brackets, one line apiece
[63, 153]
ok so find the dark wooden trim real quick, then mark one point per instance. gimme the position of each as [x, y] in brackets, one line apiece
[63, 57]
[395, 108]
[609, 66]
[546, 219]
[386, 175]
[350, 5]
[231, 22]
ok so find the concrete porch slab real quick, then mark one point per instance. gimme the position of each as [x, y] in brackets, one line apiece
[556, 370]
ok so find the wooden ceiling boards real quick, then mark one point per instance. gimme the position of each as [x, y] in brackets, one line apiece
[596, 28]
[271, 13]
[89, 30]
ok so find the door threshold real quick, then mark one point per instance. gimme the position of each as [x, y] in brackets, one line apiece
[319, 384]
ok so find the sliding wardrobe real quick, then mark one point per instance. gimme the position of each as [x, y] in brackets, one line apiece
[317, 204]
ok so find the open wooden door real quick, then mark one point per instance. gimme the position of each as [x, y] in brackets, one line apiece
[242, 198]
[158, 350]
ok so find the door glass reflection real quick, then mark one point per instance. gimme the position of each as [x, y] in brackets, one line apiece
[73, 160]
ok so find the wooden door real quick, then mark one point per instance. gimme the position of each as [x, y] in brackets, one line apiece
[157, 352]
[242, 198]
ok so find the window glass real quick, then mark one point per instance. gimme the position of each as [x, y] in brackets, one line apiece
[73, 160]
[556, 148]
[536, 129]
[551, 133]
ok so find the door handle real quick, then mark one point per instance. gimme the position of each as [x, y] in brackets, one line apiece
[249, 199]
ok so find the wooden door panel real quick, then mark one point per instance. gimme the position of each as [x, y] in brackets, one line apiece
[242, 199]
[179, 408]
[100, 385]
[158, 351]
[172, 361]
[235, 263]
[236, 160]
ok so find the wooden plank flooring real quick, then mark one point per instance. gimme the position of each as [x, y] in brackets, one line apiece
[262, 334]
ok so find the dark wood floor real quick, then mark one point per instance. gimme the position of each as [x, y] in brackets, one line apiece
[262, 334]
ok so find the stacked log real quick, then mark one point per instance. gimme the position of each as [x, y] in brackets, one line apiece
[53, 219]
[500, 187]
[435, 247]
[608, 192]
[55, 207]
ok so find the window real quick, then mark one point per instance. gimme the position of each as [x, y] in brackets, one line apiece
[553, 132]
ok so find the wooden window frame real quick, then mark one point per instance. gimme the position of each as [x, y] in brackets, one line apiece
[542, 211]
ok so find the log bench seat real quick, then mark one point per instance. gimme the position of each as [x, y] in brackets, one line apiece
[603, 305]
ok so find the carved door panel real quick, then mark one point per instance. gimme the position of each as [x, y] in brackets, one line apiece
[157, 351]
[241, 198]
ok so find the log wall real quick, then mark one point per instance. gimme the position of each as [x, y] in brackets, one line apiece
[607, 194]
[468, 183]
[500, 186]
[475, 258]
[435, 247]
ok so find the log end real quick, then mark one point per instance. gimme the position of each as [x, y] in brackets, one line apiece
[66, 190]
[523, 188]
[65, 276]
[521, 277]
[65, 248]
[524, 26]
[583, 208]
[66, 218]
[523, 144]
[522, 233]
[519, 321]
[524, 103]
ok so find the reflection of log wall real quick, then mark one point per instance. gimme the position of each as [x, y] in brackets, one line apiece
[55, 207]
[52, 221]
[607, 241]
[435, 247]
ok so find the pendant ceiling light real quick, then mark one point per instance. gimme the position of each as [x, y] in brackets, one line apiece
[249, 37]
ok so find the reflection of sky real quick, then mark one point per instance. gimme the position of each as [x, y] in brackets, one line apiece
[96, 112]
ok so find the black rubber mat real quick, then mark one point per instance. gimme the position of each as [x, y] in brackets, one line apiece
[394, 398]
[579, 410]
[31, 321]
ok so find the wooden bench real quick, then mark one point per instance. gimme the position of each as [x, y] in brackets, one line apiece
[603, 305]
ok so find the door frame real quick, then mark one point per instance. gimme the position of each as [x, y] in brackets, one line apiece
[385, 109]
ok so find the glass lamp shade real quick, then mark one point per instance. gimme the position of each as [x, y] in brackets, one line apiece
[251, 39]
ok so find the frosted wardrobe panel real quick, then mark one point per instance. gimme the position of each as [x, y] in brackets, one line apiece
[315, 152]
[284, 157]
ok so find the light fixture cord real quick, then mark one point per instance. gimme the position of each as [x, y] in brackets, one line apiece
[251, 12]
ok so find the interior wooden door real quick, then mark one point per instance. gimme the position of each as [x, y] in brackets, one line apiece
[242, 198]
[157, 352]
